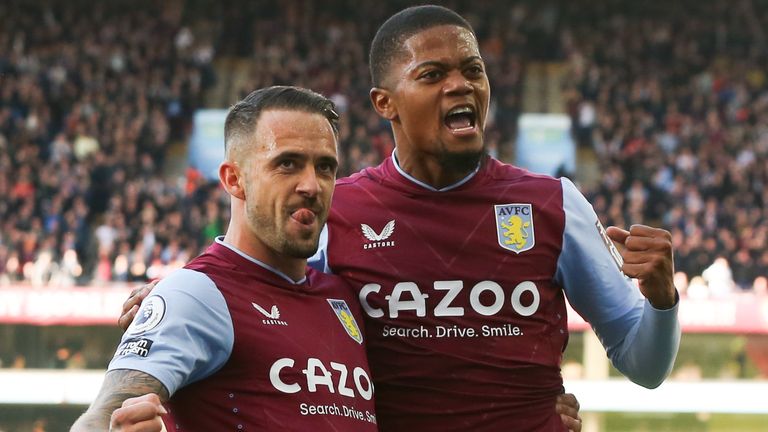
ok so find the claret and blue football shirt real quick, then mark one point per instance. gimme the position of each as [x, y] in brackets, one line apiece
[241, 347]
[464, 289]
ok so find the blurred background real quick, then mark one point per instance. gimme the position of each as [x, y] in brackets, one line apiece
[111, 121]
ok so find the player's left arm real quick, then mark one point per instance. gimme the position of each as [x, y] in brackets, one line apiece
[638, 327]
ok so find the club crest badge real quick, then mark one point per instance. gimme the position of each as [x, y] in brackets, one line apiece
[514, 227]
[341, 309]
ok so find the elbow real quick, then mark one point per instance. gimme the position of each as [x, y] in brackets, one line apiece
[646, 372]
[650, 382]
[651, 378]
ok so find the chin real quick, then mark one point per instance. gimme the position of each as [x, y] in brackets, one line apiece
[301, 249]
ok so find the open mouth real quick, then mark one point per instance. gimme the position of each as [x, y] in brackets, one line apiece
[460, 119]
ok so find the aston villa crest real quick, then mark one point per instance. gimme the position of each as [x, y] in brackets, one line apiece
[514, 226]
[347, 319]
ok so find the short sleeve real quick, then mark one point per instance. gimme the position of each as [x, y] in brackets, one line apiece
[182, 333]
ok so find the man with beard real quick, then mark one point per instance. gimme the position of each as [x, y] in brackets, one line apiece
[246, 337]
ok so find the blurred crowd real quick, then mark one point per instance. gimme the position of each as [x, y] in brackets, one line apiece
[671, 97]
[91, 97]
[674, 100]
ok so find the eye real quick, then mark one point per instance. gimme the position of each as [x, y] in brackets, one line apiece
[474, 70]
[327, 168]
[431, 75]
[287, 164]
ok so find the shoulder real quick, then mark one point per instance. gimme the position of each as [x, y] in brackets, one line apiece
[319, 279]
[187, 280]
[328, 284]
[500, 171]
[370, 174]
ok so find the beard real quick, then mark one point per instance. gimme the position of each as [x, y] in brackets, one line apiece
[300, 249]
[462, 161]
[272, 233]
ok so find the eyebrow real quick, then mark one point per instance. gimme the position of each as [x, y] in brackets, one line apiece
[329, 160]
[304, 157]
[443, 64]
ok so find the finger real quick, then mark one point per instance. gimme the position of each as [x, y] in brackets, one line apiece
[573, 424]
[651, 262]
[137, 412]
[145, 289]
[635, 271]
[567, 410]
[640, 243]
[617, 234]
[132, 300]
[136, 296]
[647, 231]
[149, 397]
[126, 318]
[648, 270]
[131, 305]
[646, 257]
[152, 425]
[567, 400]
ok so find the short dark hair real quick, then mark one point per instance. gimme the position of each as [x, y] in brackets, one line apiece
[390, 37]
[244, 115]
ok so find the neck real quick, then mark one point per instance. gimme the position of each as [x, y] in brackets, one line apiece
[436, 171]
[240, 236]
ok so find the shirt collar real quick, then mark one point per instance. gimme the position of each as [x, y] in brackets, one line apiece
[427, 186]
[220, 240]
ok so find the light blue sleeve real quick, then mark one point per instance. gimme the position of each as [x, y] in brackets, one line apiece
[641, 341]
[182, 333]
[319, 261]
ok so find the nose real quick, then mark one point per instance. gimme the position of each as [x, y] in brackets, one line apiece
[457, 84]
[309, 185]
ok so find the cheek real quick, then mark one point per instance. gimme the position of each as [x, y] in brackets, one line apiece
[422, 116]
[328, 187]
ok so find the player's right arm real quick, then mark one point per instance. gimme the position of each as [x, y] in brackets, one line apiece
[182, 333]
[118, 385]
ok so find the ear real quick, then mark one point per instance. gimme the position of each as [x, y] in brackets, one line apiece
[383, 103]
[232, 179]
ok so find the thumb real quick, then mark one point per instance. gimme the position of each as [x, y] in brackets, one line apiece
[617, 234]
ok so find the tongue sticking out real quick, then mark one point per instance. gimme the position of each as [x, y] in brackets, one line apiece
[303, 216]
[458, 121]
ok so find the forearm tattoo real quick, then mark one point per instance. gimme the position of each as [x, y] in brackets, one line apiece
[119, 385]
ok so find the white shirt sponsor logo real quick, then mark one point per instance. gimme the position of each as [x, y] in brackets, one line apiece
[378, 240]
[407, 296]
[318, 375]
[272, 317]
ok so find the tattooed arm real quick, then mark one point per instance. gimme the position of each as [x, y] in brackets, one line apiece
[119, 385]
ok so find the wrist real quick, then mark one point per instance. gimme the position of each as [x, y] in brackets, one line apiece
[665, 302]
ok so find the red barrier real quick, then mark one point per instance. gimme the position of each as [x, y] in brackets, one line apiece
[739, 313]
[742, 313]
